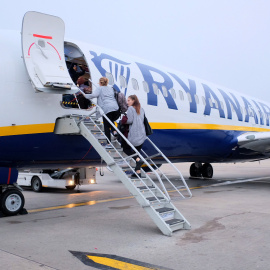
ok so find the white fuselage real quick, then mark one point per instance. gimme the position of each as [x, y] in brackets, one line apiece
[193, 120]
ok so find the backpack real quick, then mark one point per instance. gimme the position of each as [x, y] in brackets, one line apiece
[121, 101]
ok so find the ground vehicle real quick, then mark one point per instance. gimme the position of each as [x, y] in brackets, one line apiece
[69, 179]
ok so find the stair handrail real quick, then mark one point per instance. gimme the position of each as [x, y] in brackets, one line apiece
[163, 174]
[134, 149]
[125, 160]
[142, 158]
[174, 167]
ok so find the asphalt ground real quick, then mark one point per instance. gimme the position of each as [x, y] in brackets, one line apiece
[229, 215]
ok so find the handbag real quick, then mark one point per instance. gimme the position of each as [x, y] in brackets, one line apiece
[148, 129]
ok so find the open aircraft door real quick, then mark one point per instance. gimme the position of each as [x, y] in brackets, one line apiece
[43, 53]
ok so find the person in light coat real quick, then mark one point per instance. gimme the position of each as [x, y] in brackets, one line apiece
[137, 135]
[107, 102]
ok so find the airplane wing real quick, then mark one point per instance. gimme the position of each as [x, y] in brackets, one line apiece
[256, 141]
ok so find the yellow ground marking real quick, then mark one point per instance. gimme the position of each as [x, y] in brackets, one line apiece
[117, 264]
[49, 128]
[72, 205]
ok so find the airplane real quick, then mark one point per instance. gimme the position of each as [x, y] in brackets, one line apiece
[193, 120]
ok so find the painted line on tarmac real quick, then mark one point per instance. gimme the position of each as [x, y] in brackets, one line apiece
[240, 181]
[72, 205]
[108, 262]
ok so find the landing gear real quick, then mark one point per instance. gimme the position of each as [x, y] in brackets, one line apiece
[207, 170]
[11, 202]
[195, 170]
[199, 170]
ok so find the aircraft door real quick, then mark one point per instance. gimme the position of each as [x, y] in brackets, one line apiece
[43, 53]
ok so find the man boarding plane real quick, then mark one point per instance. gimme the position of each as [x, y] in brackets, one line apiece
[193, 120]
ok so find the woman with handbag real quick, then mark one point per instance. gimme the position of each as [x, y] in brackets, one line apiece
[135, 118]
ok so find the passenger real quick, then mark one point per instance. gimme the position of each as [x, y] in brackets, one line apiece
[75, 72]
[83, 84]
[70, 99]
[136, 134]
[107, 102]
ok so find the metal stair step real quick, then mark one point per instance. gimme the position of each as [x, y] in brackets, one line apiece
[92, 126]
[96, 131]
[113, 150]
[152, 199]
[164, 210]
[174, 221]
[139, 179]
[146, 187]
[104, 140]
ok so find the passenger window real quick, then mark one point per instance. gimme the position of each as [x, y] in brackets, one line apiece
[123, 81]
[109, 76]
[196, 99]
[135, 84]
[181, 95]
[189, 97]
[203, 101]
[222, 105]
[164, 91]
[145, 86]
[210, 102]
[173, 93]
[156, 90]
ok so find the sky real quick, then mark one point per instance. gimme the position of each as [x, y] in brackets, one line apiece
[226, 42]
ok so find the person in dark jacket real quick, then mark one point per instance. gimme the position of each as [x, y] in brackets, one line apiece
[75, 72]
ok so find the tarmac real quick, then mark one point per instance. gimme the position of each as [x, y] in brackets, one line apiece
[103, 227]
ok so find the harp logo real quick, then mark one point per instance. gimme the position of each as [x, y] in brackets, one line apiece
[119, 69]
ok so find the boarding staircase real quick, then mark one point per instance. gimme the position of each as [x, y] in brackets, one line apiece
[149, 189]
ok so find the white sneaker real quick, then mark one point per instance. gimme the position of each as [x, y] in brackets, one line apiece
[108, 146]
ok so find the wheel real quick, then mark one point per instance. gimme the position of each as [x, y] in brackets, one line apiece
[207, 170]
[194, 170]
[70, 187]
[12, 202]
[36, 184]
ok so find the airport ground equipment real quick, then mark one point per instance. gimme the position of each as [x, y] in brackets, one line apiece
[69, 178]
[149, 189]
[11, 197]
